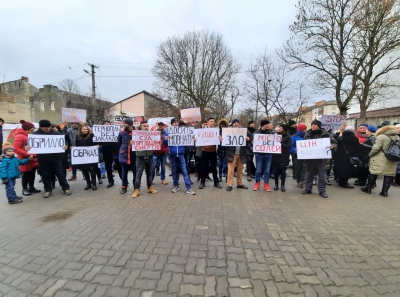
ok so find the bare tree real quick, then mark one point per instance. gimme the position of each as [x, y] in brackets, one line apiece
[197, 68]
[69, 85]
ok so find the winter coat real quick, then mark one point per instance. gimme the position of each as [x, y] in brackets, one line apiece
[86, 142]
[72, 133]
[9, 167]
[317, 134]
[1, 138]
[379, 164]
[20, 141]
[49, 156]
[295, 138]
[366, 147]
[110, 150]
[221, 149]
[230, 153]
[282, 160]
[174, 150]
[125, 149]
[347, 146]
[249, 143]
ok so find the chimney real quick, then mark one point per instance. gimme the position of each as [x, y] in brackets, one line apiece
[26, 79]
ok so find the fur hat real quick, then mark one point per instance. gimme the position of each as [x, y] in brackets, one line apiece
[316, 122]
[301, 127]
[372, 128]
[264, 122]
[26, 125]
[44, 123]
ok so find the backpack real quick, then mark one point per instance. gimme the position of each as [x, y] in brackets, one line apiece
[393, 151]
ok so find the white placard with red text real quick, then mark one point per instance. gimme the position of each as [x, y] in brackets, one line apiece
[332, 122]
[267, 143]
[207, 136]
[146, 140]
[314, 149]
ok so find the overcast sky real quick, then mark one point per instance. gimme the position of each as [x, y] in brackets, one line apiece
[49, 41]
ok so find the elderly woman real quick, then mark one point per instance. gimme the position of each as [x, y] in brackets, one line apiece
[379, 164]
[347, 146]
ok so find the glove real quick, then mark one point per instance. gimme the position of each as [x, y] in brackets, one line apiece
[4, 181]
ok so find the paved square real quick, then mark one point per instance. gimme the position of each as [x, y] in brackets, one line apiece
[241, 243]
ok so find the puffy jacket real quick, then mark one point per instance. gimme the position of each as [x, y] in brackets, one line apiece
[125, 149]
[20, 141]
[174, 150]
[295, 138]
[9, 167]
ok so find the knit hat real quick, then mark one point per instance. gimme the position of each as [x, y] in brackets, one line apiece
[250, 122]
[106, 121]
[372, 128]
[291, 122]
[316, 122]
[349, 128]
[26, 125]
[301, 127]
[10, 148]
[129, 122]
[234, 121]
[264, 122]
[385, 123]
[363, 124]
[173, 120]
[44, 123]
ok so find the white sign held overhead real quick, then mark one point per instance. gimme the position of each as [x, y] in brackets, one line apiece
[314, 149]
[207, 136]
[332, 122]
[146, 140]
[73, 115]
[182, 136]
[105, 133]
[84, 155]
[234, 136]
[267, 143]
[46, 144]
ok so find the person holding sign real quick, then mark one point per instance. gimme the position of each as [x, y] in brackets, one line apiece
[85, 138]
[127, 157]
[51, 164]
[236, 156]
[72, 133]
[160, 156]
[281, 161]
[110, 156]
[317, 166]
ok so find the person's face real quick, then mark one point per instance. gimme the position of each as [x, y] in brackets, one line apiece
[193, 124]
[160, 127]
[1, 123]
[252, 125]
[280, 130]
[10, 153]
[210, 123]
[144, 126]
[236, 124]
[204, 125]
[175, 124]
[45, 129]
[84, 130]
[362, 129]
[398, 129]
[127, 126]
[31, 130]
[314, 127]
[270, 126]
[75, 125]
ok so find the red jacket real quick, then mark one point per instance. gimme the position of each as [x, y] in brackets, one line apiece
[20, 141]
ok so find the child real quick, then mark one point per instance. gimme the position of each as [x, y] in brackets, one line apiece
[9, 172]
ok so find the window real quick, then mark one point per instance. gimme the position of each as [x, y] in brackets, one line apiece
[333, 107]
[42, 105]
[53, 105]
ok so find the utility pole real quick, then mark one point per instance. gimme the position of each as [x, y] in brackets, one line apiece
[93, 81]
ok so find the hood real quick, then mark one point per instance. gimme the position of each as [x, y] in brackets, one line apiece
[223, 120]
[387, 130]
[20, 131]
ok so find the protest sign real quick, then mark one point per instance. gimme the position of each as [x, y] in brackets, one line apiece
[105, 133]
[46, 144]
[207, 136]
[146, 140]
[314, 149]
[180, 136]
[332, 122]
[234, 136]
[73, 115]
[153, 122]
[84, 155]
[267, 143]
[191, 114]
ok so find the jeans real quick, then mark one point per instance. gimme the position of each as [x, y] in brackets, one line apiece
[222, 166]
[176, 162]
[161, 160]
[124, 172]
[103, 168]
[263, 164]
[10, 192]
[143, 165]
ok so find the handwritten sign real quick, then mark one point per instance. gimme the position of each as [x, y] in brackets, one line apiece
[314, 149]
[46, 144]
[182, 136]
[191, 114]
[234, 136]
[105, 133]
[207, 136]
[146, 140]
[84, 155]
[73, 115]
[267, 143]
[332, 122]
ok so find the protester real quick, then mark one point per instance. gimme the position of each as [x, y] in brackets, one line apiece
[110, 157]
[1, 134]
[198, 156]
[191, 154]
[281, 161]
[72, 133]
[363, 170]
[300, 172]
[209, 156]
[347, 146]
[177, 160]
[263, 161]
[127, 157]
[222, 166]
[186, 154]
[144, 162]
[250, 168]
[361, 133]
[85, 138]
[29, 169]
[9, 172]
[160, 156]
[236, 156]
[51, 164]
[317, 166]
[293, 130]
[379, 164]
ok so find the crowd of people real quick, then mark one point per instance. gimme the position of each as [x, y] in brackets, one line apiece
[362, 148]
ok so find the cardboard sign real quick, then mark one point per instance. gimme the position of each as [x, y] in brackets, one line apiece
[146, 140]
[46, 144]
[73, 115]
[267, 143]
[105, 133]
[234, 136]
[191, 115]
[84, 155]
[153, 122]
[332, 122]
[314, 149]
[207, 136]
[182, 136]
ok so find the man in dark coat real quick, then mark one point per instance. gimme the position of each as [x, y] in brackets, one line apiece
[127, 157]
[110, 156]
[250, 168]
[281, 161]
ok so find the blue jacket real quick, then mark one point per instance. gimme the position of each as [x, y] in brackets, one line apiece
[295, 137]
[125, 150]
[9, 167]
[175, 150]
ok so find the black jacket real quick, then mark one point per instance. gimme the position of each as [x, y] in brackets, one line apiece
[249, 143]
[347, 146]
[366, 147]
[282, 160]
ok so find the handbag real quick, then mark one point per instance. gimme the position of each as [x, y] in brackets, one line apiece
[355, 161]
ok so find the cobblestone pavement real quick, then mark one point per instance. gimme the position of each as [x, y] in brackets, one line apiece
[242, 243]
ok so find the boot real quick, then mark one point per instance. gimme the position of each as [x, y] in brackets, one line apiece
[73, 177]
[256, 186]
[371, 181]
[34, 190]
[88, 186]
[94, 187]
[276, 187]
[283, 187]
[25, 192]
[387, 181]
[135, 193]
